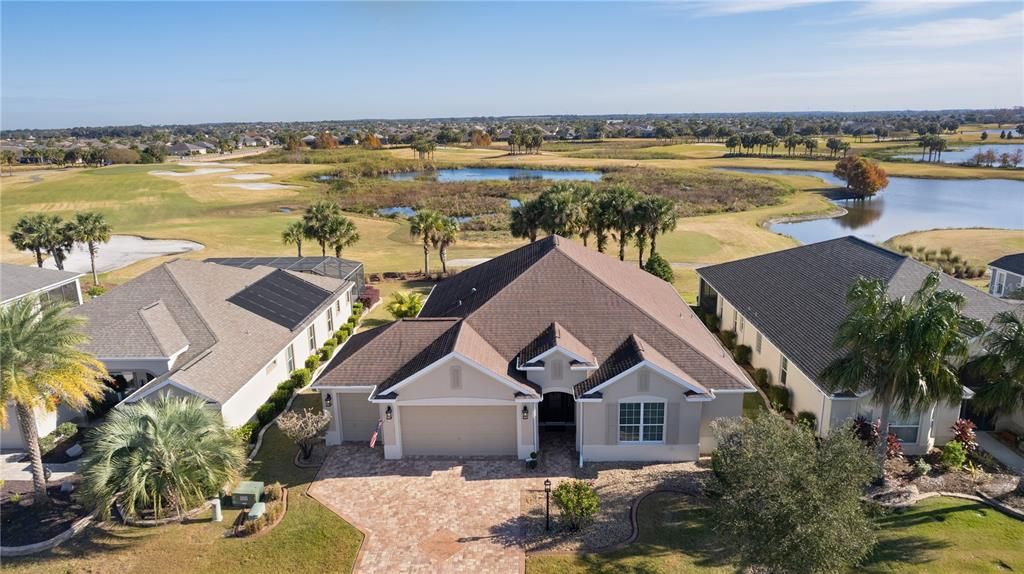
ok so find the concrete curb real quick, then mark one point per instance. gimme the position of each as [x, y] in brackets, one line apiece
[78, 526]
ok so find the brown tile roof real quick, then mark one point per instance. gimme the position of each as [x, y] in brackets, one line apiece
[510, 302]
[630, 353]
[555, 336]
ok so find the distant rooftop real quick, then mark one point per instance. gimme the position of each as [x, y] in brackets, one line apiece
[344, 269]
[17, 281]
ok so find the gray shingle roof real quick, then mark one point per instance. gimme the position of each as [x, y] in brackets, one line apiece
[227, 344]
[1013, 263]
[630, 353]
[797, 297]
[16, 281]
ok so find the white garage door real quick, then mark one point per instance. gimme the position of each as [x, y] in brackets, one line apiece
[358, 416]
[462, 431]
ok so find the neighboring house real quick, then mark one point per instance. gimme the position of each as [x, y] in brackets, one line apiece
[183, 149]
[344, 269]
[551, 336]
[787, 307]
[49, 286]
[227, 334]
[1007, 274]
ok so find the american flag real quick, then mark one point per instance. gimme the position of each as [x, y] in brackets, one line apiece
[376, 433]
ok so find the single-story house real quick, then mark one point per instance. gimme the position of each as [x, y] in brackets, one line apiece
[1007, 275]
[183, 149]
[227, 334]
[49, 286]
[787, 307]
[552, 336]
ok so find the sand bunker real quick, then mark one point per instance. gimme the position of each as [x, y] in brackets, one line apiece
[217, 163]
[257, 186]
[203, 171]
[123, 250]
[250, 176]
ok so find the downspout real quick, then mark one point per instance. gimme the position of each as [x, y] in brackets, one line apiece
[582, 434]
[821, 419]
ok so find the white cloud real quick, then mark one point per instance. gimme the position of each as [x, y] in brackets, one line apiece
[728, 7]
[949, 32]
[899, 8]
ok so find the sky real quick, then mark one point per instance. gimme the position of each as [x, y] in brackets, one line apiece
[116, 63]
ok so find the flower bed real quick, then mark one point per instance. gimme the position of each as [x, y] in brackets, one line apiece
[22, 524]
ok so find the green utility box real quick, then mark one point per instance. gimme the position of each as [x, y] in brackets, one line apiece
[256, 511]
[247, 493]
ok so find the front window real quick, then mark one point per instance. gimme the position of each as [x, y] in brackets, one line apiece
[905, 427]
[783, 370]
[641, 422]
[330, 320]
[289, 355]
[757, 343]
[311, 334]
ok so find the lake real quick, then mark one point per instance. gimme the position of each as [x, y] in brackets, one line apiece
[963, 155]
[910, 204]
[497, 174]
[406, 211]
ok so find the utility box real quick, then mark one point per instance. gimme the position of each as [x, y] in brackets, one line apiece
[256, 511]
[247, 493]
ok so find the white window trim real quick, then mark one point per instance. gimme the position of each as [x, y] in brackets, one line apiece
[311, 338]
[330, 320]
[916, 425]
[758, 341]
[289, 357]
[783, 369]
[641, 401]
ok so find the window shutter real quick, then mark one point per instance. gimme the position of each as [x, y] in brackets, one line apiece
[611, 424]
[672, 424]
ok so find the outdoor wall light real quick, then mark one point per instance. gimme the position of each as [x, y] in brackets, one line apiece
[387, 413]
[328, 401]
[526, 413]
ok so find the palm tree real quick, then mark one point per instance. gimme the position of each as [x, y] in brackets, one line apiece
[598, 219]
[524, 221]
[294, 234]
[91, 228]
[43, 366]
[57, 236]
[8, 158]
[901, 350]
[445, 237]
[663, 217]
[345, 235]
[1002, 365]
[619, 208]
[424, 226]
[27, 236]
[405, 305]
[171, 453]
[320, 223]
[643, 218]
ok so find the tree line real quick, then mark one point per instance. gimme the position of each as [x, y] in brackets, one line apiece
[617, 212]
[324, 224]
[50, 234]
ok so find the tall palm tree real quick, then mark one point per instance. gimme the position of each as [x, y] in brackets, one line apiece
[171, 453]
[662, 211]
[445, 237]
[620, 210]
[293, 234]
[524, 221]
[643, 218]
[321, 222]
[598, 220]
[583, 195]
[345, 235]
[901, 350]
[27, 235]
[1002, 365]
[91, 228]
[58, 237]
[42, 366]
[424, 227]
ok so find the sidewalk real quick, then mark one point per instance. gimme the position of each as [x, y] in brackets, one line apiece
[13, 471]
[1001, 452]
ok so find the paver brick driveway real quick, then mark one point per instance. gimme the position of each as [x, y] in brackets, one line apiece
[429, 514]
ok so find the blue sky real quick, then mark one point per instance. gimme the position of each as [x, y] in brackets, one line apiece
[87, 63]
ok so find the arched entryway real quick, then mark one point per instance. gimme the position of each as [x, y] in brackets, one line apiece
[557, 411]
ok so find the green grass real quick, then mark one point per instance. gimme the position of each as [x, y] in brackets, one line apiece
[940, 535]
[310, 538]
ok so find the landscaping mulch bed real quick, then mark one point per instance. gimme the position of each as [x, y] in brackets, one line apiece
[992, 479]
[618, 485]
[21, 523]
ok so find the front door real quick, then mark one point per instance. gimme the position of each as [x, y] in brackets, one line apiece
[558, 410]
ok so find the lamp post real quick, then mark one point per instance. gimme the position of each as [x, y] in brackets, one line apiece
[547, 504]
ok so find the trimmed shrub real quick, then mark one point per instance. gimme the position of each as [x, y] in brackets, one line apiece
[287, 386]
[279, 399]
[779, 397]
[742, 354]
[763, 377]
[921, 467]
[246, 432]
[659, 267]
[328, 349]
[96, 290]
[728, 339]
[341, 335]
[808, 419]
[66, 429]
[953, 455]
[301, 378]
[265, 413]
[578, 502]
[352, 322]
[312, 362]
[357, 309]
[713, 322]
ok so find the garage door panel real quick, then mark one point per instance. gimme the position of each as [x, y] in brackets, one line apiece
[459, 431]
[358, 417]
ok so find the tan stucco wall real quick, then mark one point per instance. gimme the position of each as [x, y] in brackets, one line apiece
[1013, 422]
[437, 384]
[472, 430]
[728, 405]
[546, 378]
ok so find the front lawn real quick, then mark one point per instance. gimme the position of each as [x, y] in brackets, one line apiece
[310, 538]
[937, 535]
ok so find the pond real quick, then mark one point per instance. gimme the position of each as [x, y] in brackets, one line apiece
[497, 174]
[406, 211]
[965, 154]
[911, 204]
